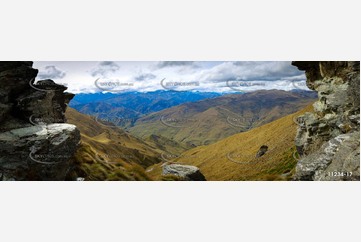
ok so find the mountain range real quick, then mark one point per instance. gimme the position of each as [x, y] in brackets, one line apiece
[110, 153]
[260, 135]
[124, 109]
[208, 121]
[231, 124]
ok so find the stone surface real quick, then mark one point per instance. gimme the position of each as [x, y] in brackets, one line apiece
[326, 137]
[188, 173]
[337, 159]
[39, 152]
[35, 142]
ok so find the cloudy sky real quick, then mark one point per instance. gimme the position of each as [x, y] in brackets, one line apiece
[205, 76]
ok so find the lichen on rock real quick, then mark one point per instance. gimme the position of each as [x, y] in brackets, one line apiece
[324, 136]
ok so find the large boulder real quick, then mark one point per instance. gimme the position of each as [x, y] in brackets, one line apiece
[187, 173]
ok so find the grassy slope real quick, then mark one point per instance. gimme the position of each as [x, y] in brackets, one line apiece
[109, 153]
[233, 158]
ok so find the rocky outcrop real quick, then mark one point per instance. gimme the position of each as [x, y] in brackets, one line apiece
[35, 141]
[187, 173]
[40, 152]
[328, 139]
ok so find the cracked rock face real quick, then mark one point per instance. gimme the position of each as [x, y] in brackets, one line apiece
[40, 152]
[35, 141]
[328, 139]
[187, 173]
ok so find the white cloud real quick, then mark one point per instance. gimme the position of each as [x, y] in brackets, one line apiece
[51, 72]
[164, 64]
[104, 68]
[212, 76]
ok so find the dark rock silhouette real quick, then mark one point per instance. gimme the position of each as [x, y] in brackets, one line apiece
[35, 141]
